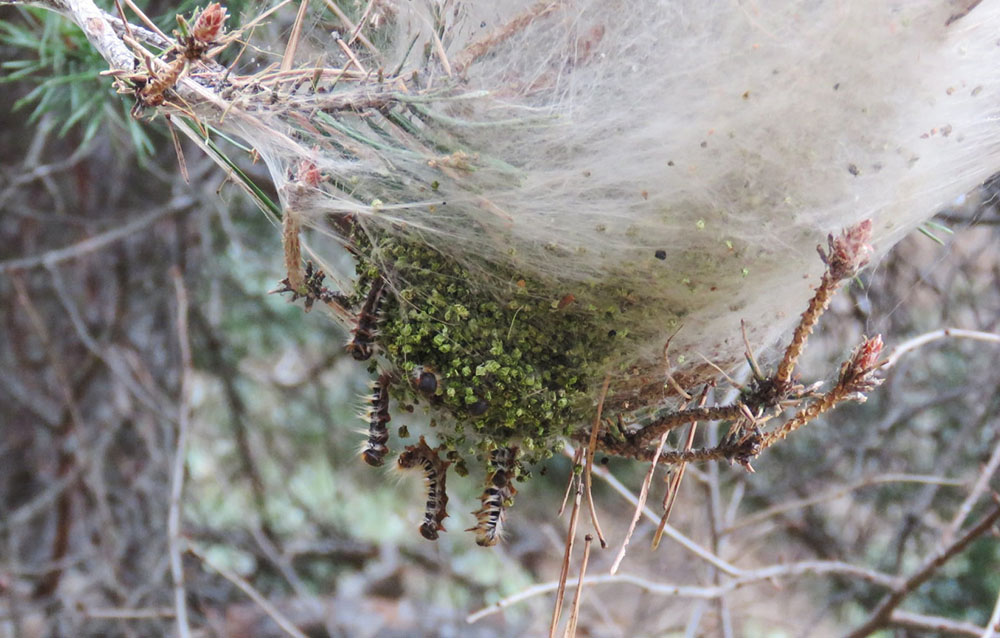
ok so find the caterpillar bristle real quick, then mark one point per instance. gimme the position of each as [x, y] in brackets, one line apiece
[435, 472]
[377, 416]
[497, 496]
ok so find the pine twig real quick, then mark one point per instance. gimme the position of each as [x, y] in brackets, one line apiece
[856, 378]
[848, 254]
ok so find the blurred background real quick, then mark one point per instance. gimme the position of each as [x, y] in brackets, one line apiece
[95, 219]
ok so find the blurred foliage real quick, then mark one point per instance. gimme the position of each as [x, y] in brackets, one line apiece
[50, 54]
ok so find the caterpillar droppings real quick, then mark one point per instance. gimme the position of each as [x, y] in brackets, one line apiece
[435, 473]
[377, 416]
[497, 496]
[361, 345]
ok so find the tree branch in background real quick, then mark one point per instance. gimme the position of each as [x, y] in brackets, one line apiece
[881, 617]
[174, 540]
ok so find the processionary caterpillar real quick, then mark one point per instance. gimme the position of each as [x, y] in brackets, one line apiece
[360, 346]
[497, 496]
[435, 472]
[377, 416]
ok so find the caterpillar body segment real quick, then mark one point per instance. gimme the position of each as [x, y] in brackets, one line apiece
[377, 417]
[435, 472]
[497, 496]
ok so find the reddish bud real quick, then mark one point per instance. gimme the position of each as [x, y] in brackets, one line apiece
[866, 355]
[849, 252]
[856, 375]
[308, 174]
[208, 26]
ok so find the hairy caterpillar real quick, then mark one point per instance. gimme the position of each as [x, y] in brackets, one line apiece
[496, 497]
[377, 416]
[435, 472]
[360, 345]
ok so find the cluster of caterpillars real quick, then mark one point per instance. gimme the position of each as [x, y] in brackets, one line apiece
[499, 491]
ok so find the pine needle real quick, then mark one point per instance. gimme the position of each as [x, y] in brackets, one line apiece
[564, 570]
[590, 461]
[574, 615]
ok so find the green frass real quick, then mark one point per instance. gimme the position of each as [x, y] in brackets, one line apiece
[516, 365]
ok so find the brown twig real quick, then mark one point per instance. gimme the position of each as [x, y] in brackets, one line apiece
[354, 29]
[71, 424]
[883, 611]
[856, 378]
[673, 487]
[680, 418]
[848, 254]
[291, 226]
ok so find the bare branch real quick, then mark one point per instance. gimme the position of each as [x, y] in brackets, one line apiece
[87, 246]
[980, 486]
[883, 612]
[669, 530]
[838, 492]
[279, 618]
[174, 540]
[692, 591]
[936, 335]
[945, 626]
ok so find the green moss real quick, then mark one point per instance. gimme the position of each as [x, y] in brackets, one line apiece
[515, 364]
